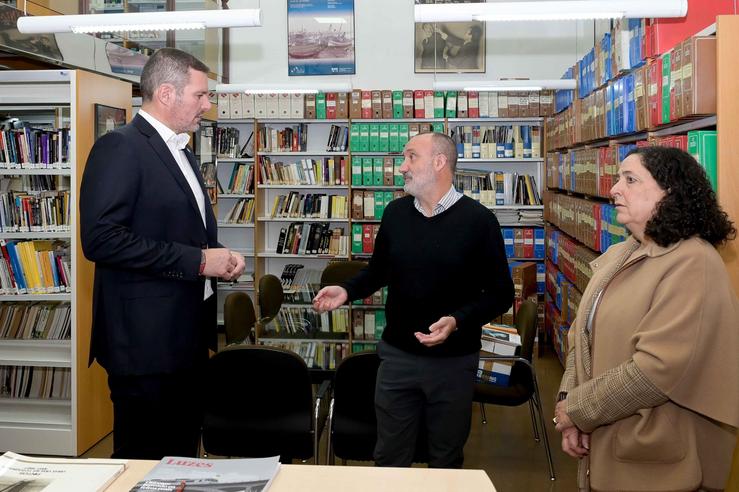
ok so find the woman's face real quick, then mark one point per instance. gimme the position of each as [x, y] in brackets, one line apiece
[636, 195]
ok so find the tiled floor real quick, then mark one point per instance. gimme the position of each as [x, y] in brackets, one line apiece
[505, 446]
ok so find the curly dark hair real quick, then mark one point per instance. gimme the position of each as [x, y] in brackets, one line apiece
[689, 207]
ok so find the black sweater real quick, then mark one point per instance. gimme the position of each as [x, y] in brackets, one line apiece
[451, 264]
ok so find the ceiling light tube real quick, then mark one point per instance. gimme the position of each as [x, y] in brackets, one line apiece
[140, 21]
[504, 85]
[548, 10]
[285, 88]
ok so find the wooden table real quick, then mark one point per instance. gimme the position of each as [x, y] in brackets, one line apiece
[312, 478]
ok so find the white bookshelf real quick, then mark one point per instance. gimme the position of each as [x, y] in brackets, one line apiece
[58, 426]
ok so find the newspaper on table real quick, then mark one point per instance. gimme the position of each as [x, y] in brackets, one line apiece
[175, 473]
[28, 474]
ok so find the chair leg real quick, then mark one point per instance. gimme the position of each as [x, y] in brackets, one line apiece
[533, 422]
[537, 404]
[482, 411]
[330, 458]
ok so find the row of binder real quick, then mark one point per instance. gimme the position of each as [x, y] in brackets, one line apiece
[497, 142]
[593, 224]
[387, 104]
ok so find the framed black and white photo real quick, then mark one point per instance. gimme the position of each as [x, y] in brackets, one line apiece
[451, 47]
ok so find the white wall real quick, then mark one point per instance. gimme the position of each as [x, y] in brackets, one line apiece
[384, 47]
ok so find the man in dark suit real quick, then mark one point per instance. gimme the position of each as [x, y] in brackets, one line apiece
[147, 223]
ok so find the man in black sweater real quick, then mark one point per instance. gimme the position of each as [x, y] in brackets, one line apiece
[442, 257]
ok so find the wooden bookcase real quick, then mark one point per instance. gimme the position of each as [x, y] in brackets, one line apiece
[61, 426]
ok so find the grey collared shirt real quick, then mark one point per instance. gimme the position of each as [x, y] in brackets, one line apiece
[450, 198]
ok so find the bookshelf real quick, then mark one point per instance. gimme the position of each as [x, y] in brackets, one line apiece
[582, 159]
[289, 150]
[302, 219]
[67, 409]
[235, 199]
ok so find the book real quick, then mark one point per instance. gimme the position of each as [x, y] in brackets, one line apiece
[497, 340]
[19, 472]
[172, 472]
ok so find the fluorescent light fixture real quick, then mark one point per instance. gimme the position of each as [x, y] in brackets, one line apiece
[140, 21]
[330, 20]
[533, 10]
[285, 88]
[504, 85]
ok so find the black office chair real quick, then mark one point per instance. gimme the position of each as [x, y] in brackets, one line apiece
[339, 271]
[352, 424]
[238, 318]
[259, 403]
[523, 386]
[269, 298]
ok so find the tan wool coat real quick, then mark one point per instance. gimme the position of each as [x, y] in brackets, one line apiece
[674, 313]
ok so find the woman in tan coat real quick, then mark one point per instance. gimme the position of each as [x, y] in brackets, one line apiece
[650, 397]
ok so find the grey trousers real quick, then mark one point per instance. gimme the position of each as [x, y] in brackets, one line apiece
[416, 394]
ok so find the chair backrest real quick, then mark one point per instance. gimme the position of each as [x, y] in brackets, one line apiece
[337, 272]
[269, 297]
[354, 428]
[238, 317]
[258, 403]
[526, 325]
[354, 386]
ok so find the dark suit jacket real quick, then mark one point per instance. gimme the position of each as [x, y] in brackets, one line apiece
[141, 226]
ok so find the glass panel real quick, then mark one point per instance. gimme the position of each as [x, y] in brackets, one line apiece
[205, 45]
[147, 40]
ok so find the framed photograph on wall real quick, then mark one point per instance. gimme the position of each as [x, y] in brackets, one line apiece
[449, 46]
[107, 119]
[320, 37]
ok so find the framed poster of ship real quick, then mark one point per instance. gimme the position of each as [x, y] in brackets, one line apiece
[320, 37]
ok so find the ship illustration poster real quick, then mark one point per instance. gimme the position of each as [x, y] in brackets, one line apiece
[320, 37]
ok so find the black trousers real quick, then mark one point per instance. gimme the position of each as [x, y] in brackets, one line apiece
[412, 391]
[157, 415]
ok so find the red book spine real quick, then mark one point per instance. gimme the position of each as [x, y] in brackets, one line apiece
[367, 239]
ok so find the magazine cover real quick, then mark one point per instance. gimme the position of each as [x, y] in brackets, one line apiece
[25, 474]
[174, 474]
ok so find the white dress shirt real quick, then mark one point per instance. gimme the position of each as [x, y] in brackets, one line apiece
[176, 143]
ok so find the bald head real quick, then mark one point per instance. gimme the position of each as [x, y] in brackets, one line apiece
[441, 145]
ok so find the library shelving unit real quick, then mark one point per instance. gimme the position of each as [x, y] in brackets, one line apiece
[51, 402]
[581, 170]
[235, 205]
[366, 175]
[524, 237]
[302, 194]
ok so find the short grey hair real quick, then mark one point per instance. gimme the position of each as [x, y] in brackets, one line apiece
[168, 66]
[444, 145]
